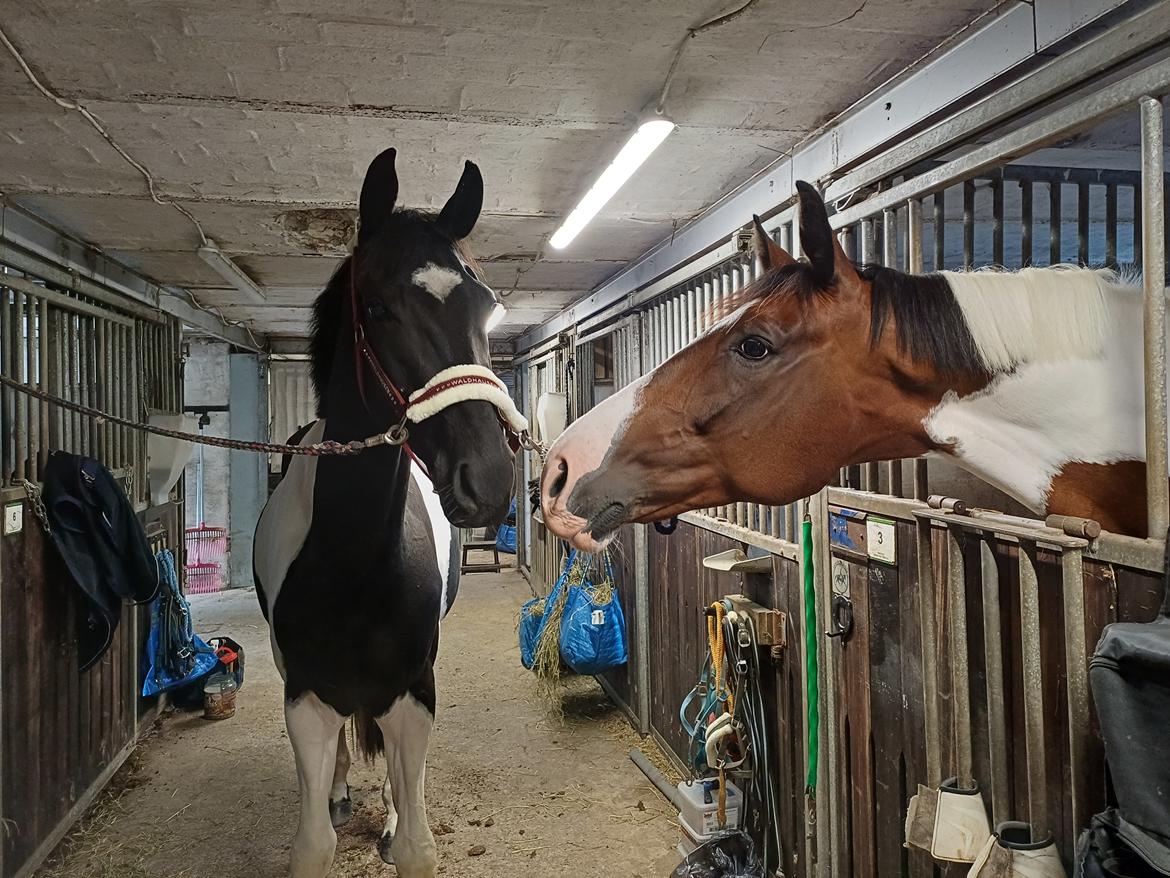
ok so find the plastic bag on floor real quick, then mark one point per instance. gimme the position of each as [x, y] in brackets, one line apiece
[729, 856]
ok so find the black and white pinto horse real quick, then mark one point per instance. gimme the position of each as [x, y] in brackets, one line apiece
[356, 557]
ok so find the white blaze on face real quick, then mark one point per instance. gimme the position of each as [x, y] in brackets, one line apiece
[436, 280]
[581, 449]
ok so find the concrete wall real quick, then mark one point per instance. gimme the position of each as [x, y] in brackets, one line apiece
[249, 471]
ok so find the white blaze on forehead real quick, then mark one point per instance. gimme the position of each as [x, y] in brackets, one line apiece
[436, 280]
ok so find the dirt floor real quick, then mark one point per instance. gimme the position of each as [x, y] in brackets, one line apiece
[540, 796]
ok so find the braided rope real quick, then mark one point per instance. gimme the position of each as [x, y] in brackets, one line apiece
[393, 436]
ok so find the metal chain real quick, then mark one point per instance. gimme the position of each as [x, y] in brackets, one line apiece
[38, 506]
[396, 435]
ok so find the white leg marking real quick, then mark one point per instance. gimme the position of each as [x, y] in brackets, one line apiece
[385, 843]
[312, 730]
[406, 729]
[436, 280]
[340, 806]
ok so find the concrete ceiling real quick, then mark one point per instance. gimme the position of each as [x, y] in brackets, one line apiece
[260, 116]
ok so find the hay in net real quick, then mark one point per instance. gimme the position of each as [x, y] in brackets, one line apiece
[547, 664]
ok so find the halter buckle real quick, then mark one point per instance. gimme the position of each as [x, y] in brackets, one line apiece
[396, 435]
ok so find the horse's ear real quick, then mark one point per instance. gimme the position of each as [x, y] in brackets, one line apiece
[770, 254]
[818, 241]
[461, 211]
[379, 192]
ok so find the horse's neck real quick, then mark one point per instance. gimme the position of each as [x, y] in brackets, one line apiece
[1028, 425]
[363, 494]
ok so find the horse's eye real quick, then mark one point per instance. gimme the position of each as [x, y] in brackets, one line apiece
[376, 310]
[753, 348]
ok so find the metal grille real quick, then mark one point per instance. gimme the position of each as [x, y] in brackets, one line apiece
[122, 361]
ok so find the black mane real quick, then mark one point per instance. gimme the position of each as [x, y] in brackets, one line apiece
[929, 323]
[328, 312]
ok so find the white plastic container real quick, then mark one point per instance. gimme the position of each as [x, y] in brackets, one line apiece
[701, 818]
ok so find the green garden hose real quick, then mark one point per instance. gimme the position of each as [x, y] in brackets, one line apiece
[812, 685]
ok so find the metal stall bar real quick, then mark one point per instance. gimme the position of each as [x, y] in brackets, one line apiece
[1034, 742]
[1054, 223]
[960, 657]
[741, 276]
[19, 342]
[1083, 223]
[926, 625]
[1026, 212]
[1137, 223]
[890, 260]
[1111, 225]
[914, 265]
[869, 478]
[32, 409]
[968, 225]
[42, 380]
[1154, 324]
[36, 441]
[103, 388]
[7, 394]
[997, 221]
[73, 365]
[53, 378]
[993, 666]
[939, 215]
[1077, 682]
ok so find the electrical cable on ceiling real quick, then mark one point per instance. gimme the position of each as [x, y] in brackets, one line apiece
[67, 104]
[693, 32]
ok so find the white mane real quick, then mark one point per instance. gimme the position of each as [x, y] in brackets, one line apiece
[1035, 315]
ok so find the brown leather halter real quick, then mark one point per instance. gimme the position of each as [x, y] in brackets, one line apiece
[400, 403]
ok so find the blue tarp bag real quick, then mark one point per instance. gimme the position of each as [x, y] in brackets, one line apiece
[535, 613]
[174, 654]
[531, 616]
[593, 628]
[506, 539]
[506, 533]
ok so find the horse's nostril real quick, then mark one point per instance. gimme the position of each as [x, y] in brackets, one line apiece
[558, 484]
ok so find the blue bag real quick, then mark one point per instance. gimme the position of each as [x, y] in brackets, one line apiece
[593, 629]
[531, 617]
[506, 539]
[174, 654]
[534, 614]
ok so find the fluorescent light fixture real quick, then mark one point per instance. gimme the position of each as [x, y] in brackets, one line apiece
[498, 312]
[638, 148]
[229, 271]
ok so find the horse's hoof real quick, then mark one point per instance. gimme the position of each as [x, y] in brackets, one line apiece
[340, 812]
[384, 848]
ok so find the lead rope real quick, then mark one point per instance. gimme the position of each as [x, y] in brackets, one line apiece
[716, 644]
[812, 683]
[317, 449]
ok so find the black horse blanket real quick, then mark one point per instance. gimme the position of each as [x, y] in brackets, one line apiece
[102, 543]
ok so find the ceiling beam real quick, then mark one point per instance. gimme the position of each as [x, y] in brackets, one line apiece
[30, 245]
